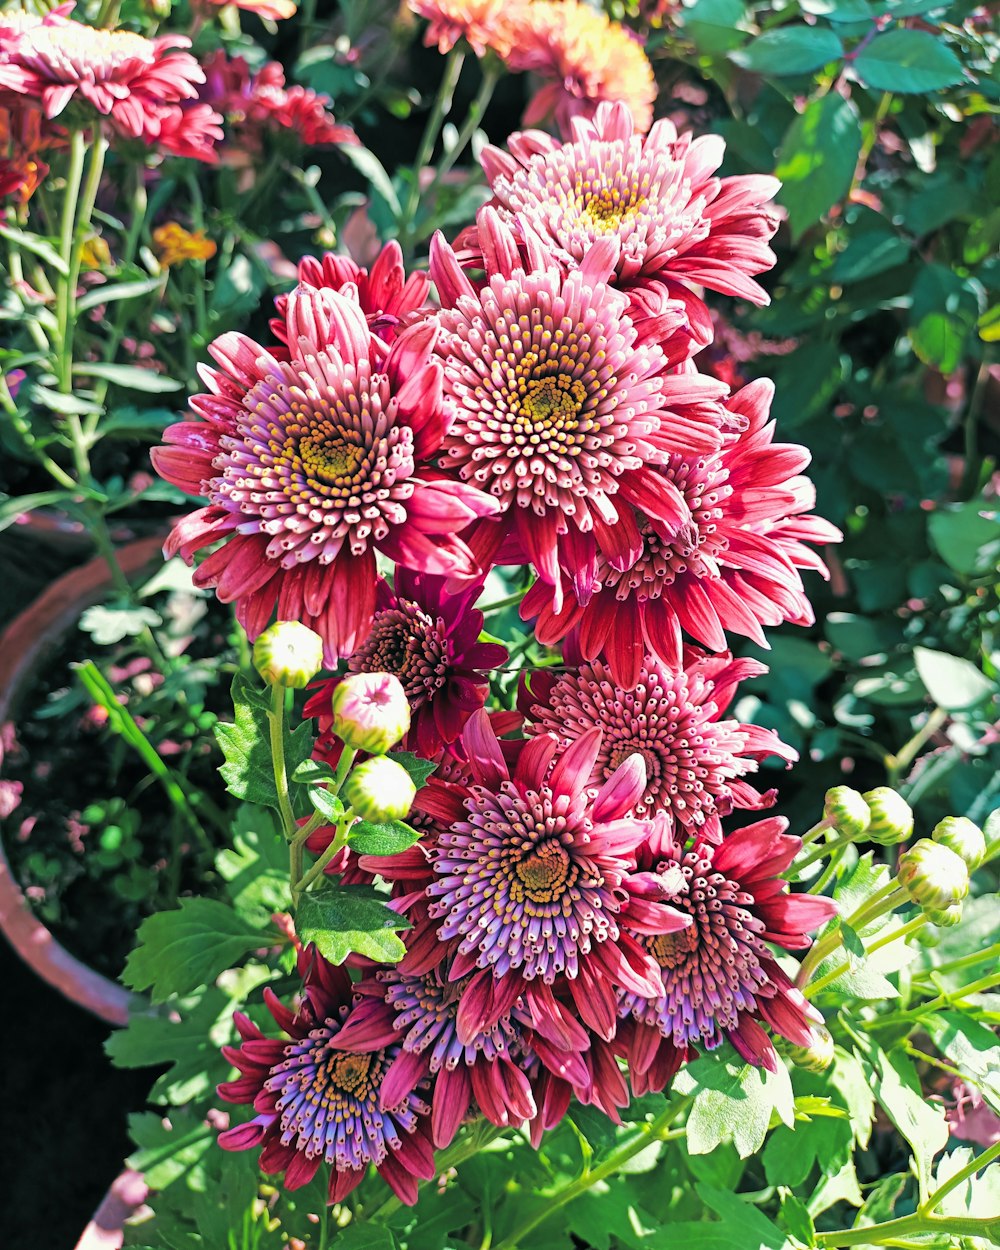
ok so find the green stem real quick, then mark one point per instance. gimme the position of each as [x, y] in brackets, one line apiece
[823, 880]
[276, 725]
[963, 1174]
[949, 999]
[821, 852]
[815, 987]
[439, 111]
[500, 604]
[66, 292]
[896, 765]
[812, 834]
[347, 757]
[655, 1130]
[966, 961]
[881, 901]
[478, 107]
[303, 883]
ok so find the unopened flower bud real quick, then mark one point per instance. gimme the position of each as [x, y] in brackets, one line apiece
[945, 917]
[928, 935]
[846, 811]
[370, 712]
[818, 1055]
[932, 875]
[379, 789]
[963, 837]
[891, 816]
[288, 653]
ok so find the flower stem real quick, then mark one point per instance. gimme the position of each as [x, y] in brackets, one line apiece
[336, 846]
[821, 852]
[823, 880]
[347, 757]
[881, 901]
[896, 765]
[478, 107]
[66, 292]
[814, 987]
[439, 111]
[656, 1130]
[276, 725]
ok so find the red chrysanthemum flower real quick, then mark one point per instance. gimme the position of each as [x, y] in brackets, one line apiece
[733, 566]
[312, 464]
[485, 25]
[115, 74]
[695, 761]
[389, 299]
[528, 875]
[720, 979]
[583, 59]
[429, 639]
[316, 1102]
[658, 195]
[563, 409]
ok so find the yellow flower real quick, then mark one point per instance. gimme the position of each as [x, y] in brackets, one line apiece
[174, 244]
[95, 254]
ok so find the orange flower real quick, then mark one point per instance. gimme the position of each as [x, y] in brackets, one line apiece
[174, 244]
[23, 135]
[584, 58]
[484, 24]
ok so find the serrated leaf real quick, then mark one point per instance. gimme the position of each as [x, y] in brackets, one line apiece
[312, 772]
[168, 1149]
[953, 683]
[848, 1078]
[418, 769]
[180, 950]
[364, 1237]
[817, 159]
[345, 920]
[908, 61]
[256, 867]
[248, 770]
[789, 50]
[972, 1048]
[382, 838]
[108, 625]
[746, 1224]
[734, 1101]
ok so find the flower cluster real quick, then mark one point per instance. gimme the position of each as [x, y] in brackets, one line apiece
[581, 922]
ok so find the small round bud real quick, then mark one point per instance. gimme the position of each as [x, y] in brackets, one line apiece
[960, 835]
[288, 653]
[846, 811]
[945, 917]
[370, 712]
[818, 1055]
[379, 789]
[929, 935]
[932, 875]
[891, 816]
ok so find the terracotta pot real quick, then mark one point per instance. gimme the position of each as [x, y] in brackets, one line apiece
[24, 645]
[106, 1230]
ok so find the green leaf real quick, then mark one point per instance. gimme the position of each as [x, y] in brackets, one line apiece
[908, 61]
[972, 1048]
[255, 868]
[248, 770]
[133, 377]
[180, 950]
[17, 505]
[817, 159]
[364, 1237]
[382, 838]
[373, 171]
[312, 772]
[107, 625]
[796, 1218]
[418, 769]
[747, 1225]
[713, 25]
[953, 683]
[237, 291]
[734, 1102]
[847, 1078]
[129, 420]
[38, 246]
[326, 803]
[345, 920]
[168, 1149]
[118, 290]
[790, 50]
[966, 536]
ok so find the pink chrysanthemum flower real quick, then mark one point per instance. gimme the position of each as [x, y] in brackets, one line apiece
[658, 195]
[562, 410]
[429, 639]
[695, 761]
[485, 25]
[318, 1103]
[528, 874]
[312, 464]
[389, 299]
[583, 59]
[720, 979]
[116, 74]
[733, 566]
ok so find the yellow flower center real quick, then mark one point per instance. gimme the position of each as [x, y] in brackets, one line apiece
[671, 949]
[329, 456]
[606, 209]
[544, 873]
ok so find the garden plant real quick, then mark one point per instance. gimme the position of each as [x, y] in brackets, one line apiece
[546, 793]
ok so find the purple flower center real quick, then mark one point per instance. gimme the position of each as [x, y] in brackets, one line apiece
[515, 883]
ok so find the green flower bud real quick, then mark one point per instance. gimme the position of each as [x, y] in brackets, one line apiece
[929, 935]
[945, 917]
[288, 653]
[816, 1057]
[891, 816]
[960, 835]
[379, 789]
[370, 712]
[932, 875]
[846, 811]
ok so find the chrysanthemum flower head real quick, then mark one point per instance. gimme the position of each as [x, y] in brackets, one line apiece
[311, 464]
[485, 25]
[174, 244]
[696, 762]
[720, 980]
[658, 195]
[583, 59]
[529, 882]
[316, 1102]
[562, 410]
[732, 567]
[116, 74]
